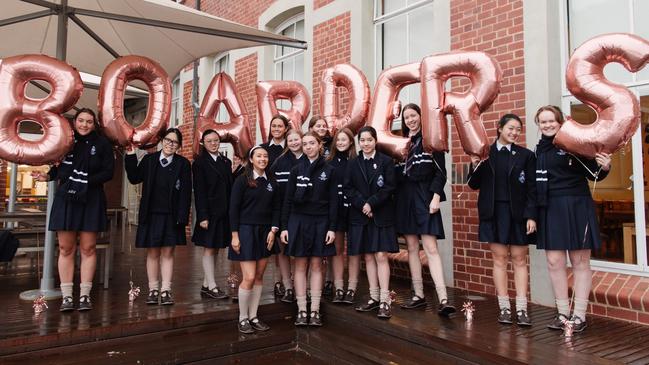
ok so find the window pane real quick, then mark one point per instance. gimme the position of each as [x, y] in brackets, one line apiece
[287, 72]
[394, 37]
[392, 5]
[644, 129]
[642, 29]
[420, 24]
[299, 30]
[582, 27]
[613, 199]
[299, 68]
[278, 71]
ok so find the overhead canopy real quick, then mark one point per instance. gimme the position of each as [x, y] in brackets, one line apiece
[100, 30]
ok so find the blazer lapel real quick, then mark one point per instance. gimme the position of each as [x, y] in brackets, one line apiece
[374, 171]
[512, 158]
[361, 166]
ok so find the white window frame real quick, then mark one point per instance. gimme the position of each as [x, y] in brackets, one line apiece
[176, 99]
[292, 55]
[642, 266]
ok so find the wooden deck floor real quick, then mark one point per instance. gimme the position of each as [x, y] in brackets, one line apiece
[196, 330]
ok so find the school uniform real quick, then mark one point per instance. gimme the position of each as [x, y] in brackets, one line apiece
[370, 180]
[212, 178]
[327, 141]
[567, 219]
[166, 198]
[80, 203]
[339, 163]
[274, 150]
[253, 212]
[281, 169]
[310, 209]
[419, 177]
[507, 197]
[238, 172]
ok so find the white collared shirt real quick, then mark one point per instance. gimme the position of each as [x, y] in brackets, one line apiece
[214, 156]
[368, 157]
[169, 158]
[314, 160]
[500, 146]
[298, 157]
[256, 175]
[272, 142]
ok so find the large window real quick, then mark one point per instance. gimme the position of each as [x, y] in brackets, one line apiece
[176, 104]
[288, 61]
[620, 198]
[221, 64]
[403, 30]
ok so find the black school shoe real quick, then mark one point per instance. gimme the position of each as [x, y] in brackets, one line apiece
[154, 296]
[505, 316]
[315, 319]
[166, 298]
[385, 310]
[245, 326]
[339, 297]
[523, 319]
[289, 296]
[84, 303]
[414, 302]
[445, 309]
[214, 293]
[557, 322]
[258, 325]
[369, 306]
[350, 297]
[328, 290]
[67, 304]
[579, 324]
[302, 319]
[279, 290]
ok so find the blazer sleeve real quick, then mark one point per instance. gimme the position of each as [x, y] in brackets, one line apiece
[389, 185]
[593, 166]
[134, 170]
[200, 192]
[333, 200]
[439, 179]
[530, 187]
[475, 175]
[277, 206]
[185, 193]
[238, 189]
[288, 199]
[53, 173]
[353, 195]
[107, 167]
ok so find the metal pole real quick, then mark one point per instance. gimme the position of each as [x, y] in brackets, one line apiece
[47, 281]
[13, 178]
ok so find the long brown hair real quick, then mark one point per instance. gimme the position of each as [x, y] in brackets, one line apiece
[351, 151]
[314, 119]
[317, 138]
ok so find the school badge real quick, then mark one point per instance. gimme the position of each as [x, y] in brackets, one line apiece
[269, 187]
[93, 151]
[521, 177]
[380, 182]
[323, 176]
[178, 184]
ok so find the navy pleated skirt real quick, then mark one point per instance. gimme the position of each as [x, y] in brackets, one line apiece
[307, 235]
[502, 228]
[413, 212]
[252, 240]
[370, 238]
[88, 216]
[160, 230]
[568, 223]
[217, 234]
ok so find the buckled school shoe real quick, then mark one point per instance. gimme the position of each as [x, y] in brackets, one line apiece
[214, 293]
[415, 302]
[385, 310]
[67, 304]
[339, 297]
[153, 297]
[445, 309]
[302, 319]
[523, 319]
[369, 306]
[289, 296]
[245, 326]
[315, 320]
[350, 297]
[579, 324]
[166, 298]
[258, 325]
[328, 290]
[279, 290]
[505, 316]
[84, 303]
[557, 322]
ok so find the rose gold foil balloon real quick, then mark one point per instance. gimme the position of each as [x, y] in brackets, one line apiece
[237, 131]
[268, 92]
[352, 79]
[465, 108]
[384, 103]
[114, 81]
[58, 136]
[618, 112]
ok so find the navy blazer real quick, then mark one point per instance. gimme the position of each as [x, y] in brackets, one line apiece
[212, 186]
[374, 186]
[180, 196]
[522, 184]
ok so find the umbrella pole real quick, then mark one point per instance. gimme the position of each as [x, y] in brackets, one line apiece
[47, 281]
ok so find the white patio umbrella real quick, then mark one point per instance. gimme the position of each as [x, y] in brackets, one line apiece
[89, 34]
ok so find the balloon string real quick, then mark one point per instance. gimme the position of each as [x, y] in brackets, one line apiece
[469, 179]
[595, 175]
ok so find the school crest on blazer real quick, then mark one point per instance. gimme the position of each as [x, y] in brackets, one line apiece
[269, 187]
[379, 181]
[93, 150]
[323, 176]
[521, 177]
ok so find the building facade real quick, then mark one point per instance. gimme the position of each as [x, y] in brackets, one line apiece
[531, 40]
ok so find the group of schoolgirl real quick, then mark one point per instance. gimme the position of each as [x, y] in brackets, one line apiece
[300, 195]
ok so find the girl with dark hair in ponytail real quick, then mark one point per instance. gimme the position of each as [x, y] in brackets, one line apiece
[212, 186]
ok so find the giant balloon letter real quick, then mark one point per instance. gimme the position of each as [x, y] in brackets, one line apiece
[267, 94]
[618, 113]
[237, 131]
[385, 106]
[465, 108]
[352, 79]
[15, 106]
[114, 81]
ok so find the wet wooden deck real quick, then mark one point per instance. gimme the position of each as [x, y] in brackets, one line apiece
[201, 331]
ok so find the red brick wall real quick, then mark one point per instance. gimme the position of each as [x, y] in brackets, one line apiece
[245, 71]
[495, 27]
[331, 46]
[320, 3]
